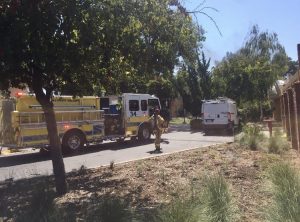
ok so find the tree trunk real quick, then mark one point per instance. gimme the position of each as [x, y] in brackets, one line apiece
[44, 97]
[261, 111]
[56, 154]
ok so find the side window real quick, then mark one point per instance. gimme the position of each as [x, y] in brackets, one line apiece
[134, 105]
[144, 105]
[153, 103]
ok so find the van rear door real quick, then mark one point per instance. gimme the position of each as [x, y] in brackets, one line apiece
[215, 113]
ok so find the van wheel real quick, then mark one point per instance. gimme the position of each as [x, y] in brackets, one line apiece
[73, 141]
[144, 133]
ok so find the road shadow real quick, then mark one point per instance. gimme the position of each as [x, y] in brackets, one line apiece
[155, 152]
[219, 133]
[19, 159]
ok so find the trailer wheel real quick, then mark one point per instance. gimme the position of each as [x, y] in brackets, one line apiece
[73, 141]
[144, 133]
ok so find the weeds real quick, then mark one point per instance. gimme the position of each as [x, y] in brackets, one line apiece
[277, 144]
[286, 192]
[251, 136]
[163, 177]
[140, 170]
[82, 170]
[112, 165]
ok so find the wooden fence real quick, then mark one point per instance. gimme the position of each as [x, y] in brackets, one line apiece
[289, 100]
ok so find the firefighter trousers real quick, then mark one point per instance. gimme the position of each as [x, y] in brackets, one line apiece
[157, 139]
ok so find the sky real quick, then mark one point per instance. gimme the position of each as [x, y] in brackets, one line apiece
[236, 17]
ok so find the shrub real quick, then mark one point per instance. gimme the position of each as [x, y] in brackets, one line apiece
[196, 124]
[286, 194]
[251, 136]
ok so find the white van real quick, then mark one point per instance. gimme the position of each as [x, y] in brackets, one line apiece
[220, 113]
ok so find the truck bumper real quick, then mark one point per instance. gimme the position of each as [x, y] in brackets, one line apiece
[218, 126]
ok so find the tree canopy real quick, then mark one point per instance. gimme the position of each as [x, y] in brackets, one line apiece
[248, 74]
[84, 47]
[193, 83]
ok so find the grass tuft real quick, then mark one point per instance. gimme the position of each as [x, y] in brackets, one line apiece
[251, 136]
[112, 165]
[286, 194]
[179, 210]
[277, 143]
[218, 206]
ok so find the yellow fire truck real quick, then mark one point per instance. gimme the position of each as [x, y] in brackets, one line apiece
[80, 121]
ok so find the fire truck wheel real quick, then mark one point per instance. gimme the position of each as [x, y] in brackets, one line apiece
[144, 133]
[73, 141]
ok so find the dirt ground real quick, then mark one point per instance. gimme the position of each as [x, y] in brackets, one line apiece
[146, 184]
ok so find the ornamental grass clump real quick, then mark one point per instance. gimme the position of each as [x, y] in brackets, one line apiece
[217, 201]
[277, 143]
[179, 210]
[286, 194]
[251, 136]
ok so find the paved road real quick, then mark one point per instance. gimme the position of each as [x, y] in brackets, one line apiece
[178, 138]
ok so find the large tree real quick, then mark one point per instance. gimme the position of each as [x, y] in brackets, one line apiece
[44, 44]
[248, 74]
[80, 47]
[194, 84]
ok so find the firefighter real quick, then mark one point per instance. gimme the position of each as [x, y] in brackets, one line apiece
[158, 128]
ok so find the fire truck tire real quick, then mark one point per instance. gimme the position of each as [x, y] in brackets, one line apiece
[144, 133]
[73, 141]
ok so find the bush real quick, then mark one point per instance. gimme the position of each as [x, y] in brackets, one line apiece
[286, 194]
[277, 144]
[196, 124]
[250, 111]
[251, 136]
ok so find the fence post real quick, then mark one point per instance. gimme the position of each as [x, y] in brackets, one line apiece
[292, 118]
[283, 117]
[287, 115]
[297, 102]
[295, 132]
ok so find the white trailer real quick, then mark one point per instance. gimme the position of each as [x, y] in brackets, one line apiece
[219, 114]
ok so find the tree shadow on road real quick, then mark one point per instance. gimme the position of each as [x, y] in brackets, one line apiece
[27, 158]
